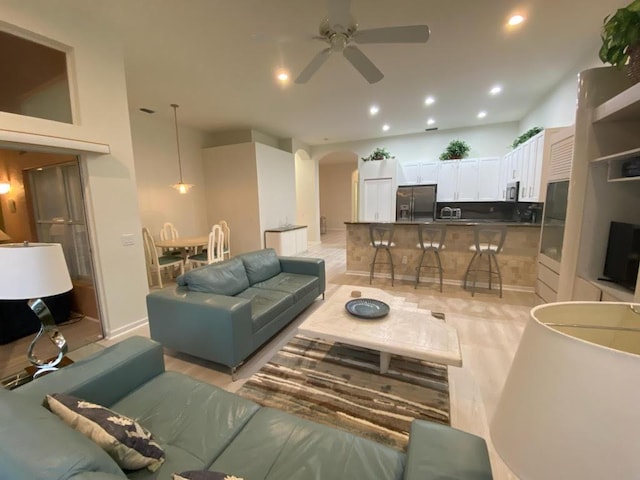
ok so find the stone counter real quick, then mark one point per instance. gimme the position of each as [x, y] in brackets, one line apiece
[517, 261]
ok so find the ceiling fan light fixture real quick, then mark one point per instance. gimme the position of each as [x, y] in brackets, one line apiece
[181, 187]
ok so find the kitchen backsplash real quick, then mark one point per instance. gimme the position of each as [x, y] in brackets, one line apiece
[529, 212]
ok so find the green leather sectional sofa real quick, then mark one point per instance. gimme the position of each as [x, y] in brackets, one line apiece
[225, 311]
[202, 427]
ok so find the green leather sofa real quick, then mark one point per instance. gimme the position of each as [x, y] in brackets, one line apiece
[202, 427]
[225, 311]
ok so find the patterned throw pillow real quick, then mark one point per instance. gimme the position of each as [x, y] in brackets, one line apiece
[203, 475]
[130, 445]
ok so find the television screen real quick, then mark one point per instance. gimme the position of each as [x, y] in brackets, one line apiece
[623, 254]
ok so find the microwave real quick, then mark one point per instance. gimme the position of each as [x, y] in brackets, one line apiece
[511, 193]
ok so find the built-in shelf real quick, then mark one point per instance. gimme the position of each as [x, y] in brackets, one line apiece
[616, 291]
[624, 106]
[615, 162]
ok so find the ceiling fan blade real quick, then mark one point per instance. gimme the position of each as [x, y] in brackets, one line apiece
[339, 12]
[362, 63]
[405, 34]
[313, 66]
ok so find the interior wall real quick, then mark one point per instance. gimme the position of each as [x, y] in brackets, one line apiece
[485, 141]
[276, 187]
[101, 115]
[558, 108]
[335, 193]
[307, 195]
[156, 165]
[231, 193]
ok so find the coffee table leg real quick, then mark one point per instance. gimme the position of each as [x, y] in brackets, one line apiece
[385, 359]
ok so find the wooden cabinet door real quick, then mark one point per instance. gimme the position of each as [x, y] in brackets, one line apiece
[385, 204]
[536, 171]
[377, 200]
[525, 186]
[447, 181]
[467, 180]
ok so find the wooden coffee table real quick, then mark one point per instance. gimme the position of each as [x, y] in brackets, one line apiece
[406, 330]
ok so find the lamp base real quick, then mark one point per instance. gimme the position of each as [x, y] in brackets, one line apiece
[49, 329]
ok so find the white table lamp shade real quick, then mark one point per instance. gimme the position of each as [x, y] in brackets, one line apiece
[33, 271]
[570, 408]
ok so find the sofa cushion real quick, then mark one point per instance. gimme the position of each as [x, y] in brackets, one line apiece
[266, 305]
[130, 445]
[191, 420]
[293, 283]
[261, 265]
[38, 445]
[223, 278]
[281, 445]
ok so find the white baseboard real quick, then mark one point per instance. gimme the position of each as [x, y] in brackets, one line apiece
[126, 329]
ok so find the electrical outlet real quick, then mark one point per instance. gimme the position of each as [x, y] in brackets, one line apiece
[126, 239]
[404, 260]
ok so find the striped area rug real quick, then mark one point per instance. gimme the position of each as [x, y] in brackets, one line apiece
[341, 386]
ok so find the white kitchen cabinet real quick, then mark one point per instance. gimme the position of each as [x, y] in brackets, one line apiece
[467, 184]
[419, 173]
[377, 200]
[448, 181]
[287, 241]
[505, 175]
[489, 179]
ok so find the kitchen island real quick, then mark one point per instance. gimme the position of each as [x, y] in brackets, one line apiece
[518, 260]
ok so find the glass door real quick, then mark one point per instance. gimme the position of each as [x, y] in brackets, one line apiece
[58, 209]
[555, 211]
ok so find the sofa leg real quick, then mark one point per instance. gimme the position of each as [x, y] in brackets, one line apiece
[234, 371]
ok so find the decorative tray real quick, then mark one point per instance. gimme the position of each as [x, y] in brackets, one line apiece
[368, 308]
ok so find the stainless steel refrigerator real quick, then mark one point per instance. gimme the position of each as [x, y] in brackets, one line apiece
[415, 203]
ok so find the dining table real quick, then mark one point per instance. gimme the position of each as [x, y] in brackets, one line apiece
[186, 245]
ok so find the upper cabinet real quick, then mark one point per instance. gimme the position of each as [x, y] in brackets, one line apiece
[418, 173]
[528, 164]
[469, 180]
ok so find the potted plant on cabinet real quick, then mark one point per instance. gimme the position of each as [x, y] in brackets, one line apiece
[532, 132]
[455, 150]
[621, 39]
[378, 154]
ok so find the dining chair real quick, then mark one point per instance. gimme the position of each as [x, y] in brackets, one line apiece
[155, 263]
[214, 249]
[226, 248]
[169, 232]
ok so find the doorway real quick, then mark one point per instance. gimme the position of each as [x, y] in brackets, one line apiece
[46, 204]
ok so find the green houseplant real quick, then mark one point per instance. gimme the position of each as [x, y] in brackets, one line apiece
[455, 149]
[532, 132]
[621, 39]
[378, 154]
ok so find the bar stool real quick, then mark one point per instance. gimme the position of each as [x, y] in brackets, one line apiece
[431, 239]
[487, 241]
[381, 236]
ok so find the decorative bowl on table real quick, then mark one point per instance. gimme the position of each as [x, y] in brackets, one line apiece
[367, 308]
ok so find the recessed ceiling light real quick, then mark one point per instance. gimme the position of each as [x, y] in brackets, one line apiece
[431, 121]
[385, 127]
[373, 110]
[429, 100]
[482, 114]
[495, 90]
[282, 75]
[515, 20]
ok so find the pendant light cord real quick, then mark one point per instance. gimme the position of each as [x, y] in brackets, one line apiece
[175, 117]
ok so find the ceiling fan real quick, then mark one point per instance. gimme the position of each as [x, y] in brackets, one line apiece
[340, 31]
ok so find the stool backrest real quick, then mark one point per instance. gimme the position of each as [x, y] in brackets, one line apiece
[489, 238]
[381, 234]
[431, 236]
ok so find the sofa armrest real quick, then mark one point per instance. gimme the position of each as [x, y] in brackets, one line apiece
[104, 377]
[441, 452]
[305, 266]
[206, 325]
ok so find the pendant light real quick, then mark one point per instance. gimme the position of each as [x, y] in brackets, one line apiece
[181, 187]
